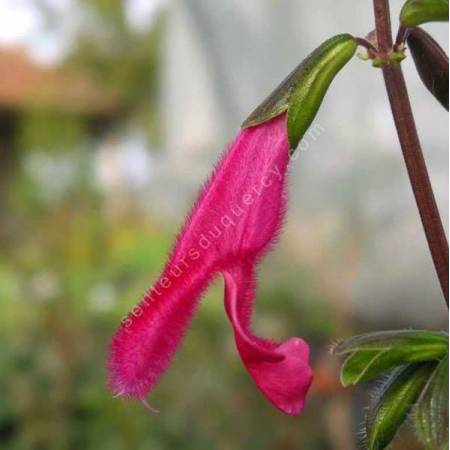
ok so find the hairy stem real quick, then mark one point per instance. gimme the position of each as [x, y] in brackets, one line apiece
[412, 152]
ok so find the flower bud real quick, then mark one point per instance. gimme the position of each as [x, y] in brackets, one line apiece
[416, 12]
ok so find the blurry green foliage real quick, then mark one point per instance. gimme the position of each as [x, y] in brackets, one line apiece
[50, 130]
[123, 60]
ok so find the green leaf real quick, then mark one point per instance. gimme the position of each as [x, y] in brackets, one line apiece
[432, 410]
[302, 92]
[416, 12]
[374, 353]
[393, 403]
[431, 63]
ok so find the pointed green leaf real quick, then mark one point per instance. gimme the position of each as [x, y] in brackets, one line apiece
[374, 353]
[416, 12]
[432, 410]
[431, 63]
[393, 403]
[302, 92]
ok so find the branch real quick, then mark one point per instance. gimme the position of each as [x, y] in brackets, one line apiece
[412, 152]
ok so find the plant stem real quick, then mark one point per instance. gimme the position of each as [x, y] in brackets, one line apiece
[366, 44]
[412, 152]
[383, 25]
[402, 34]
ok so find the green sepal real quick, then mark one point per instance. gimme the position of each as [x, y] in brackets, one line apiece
[393, 403]
[397, 56]
[416, 12]
[302, 92]
[394, 58]
[432, 410]
[431, 63]
[378, 63]
[370, 355]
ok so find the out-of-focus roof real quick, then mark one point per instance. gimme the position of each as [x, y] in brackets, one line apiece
[24, 83]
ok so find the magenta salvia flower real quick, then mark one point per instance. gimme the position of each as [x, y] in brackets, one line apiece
[234, 222]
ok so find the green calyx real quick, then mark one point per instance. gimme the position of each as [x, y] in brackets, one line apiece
[416, 12]
[395, 57]
[370, 355]
[431, 415]
[394, 402]
[302, 92]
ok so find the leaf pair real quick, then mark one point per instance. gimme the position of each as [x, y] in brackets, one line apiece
[418, 361]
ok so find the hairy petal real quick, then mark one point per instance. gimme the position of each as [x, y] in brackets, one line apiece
[280, 370]
[235, 220]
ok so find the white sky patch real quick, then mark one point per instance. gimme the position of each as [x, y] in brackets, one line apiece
[19, 20]
[141, 13]
[22, 24]
[125, 162]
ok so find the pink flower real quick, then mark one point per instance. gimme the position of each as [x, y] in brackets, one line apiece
[235, 220]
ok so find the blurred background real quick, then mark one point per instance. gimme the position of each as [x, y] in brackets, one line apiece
[112, 114]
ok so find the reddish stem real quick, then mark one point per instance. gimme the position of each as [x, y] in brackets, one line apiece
[366, 44]
[402, 34]
[412, 152]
